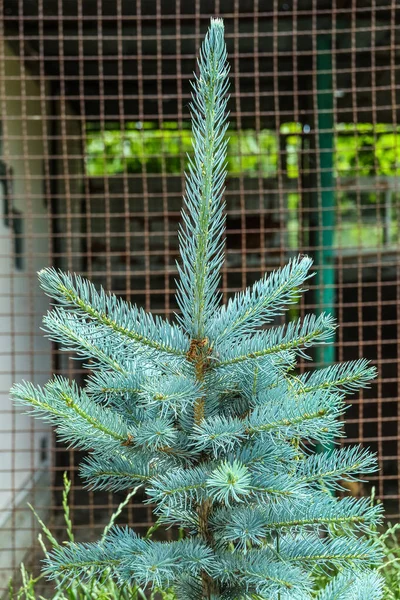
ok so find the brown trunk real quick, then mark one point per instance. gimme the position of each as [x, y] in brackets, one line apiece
[210, 587]
[198, 354]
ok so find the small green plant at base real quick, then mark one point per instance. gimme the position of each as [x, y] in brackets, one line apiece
[388, 539]
[103, 588]
[209, 414]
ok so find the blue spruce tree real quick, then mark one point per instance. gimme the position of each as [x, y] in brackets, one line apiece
[209, 415]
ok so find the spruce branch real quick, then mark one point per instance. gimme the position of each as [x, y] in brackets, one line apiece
[249, 526]
[295, 336]
[262, 574]
[200, 238]
[110, 387]
[229, 482]
[173, 395]
[121, 472]
[78, 420]
[344, 377]
[332, 467]
[73, 334]
[334, 552]
[349, 585]
[132, 324]
[314, 417]
[179, 489]
[260, 304]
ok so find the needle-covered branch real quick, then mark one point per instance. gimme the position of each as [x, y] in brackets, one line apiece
[296, 336]
[201, 236]
[249, 310]
[126, 322]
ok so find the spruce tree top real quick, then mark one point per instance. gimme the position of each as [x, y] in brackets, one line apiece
[210, 415]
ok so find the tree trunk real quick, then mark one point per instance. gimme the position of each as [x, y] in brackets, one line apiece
[198, 354]
[210, 587]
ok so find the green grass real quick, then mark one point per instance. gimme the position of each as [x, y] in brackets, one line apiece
[389, 540]
[105, 589]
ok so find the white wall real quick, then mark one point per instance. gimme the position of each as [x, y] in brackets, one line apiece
[24, 351]
[25, 354]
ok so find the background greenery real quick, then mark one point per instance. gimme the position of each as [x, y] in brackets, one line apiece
[363, 150]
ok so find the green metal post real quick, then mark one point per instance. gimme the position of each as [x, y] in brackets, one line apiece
[325, 197]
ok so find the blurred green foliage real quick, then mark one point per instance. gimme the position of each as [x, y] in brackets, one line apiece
[143, 148]
[362, 149]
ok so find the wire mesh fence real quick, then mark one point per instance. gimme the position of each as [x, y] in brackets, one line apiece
[94, 134]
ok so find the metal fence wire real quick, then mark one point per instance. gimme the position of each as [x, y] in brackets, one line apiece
[94, 133]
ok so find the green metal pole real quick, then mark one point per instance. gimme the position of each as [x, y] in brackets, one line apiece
[325, 197]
